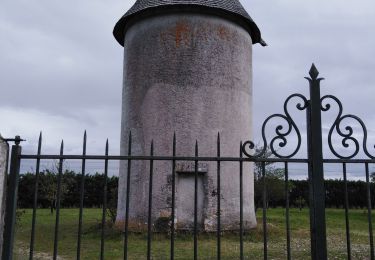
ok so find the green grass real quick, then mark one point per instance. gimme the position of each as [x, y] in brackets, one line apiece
[253, 245]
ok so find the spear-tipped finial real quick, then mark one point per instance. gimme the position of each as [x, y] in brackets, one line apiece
[106, 147]
[84, 143]
[40, 143]
[196, 147]
[40, 138]
[218, 144]
[130, 143]
[174, 144]
[314, 73]
[62, 147]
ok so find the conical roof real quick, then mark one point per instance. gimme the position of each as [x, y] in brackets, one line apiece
[231, 9]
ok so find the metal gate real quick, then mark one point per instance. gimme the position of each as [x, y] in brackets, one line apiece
[313, 106]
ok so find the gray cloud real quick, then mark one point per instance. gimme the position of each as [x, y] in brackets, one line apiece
[61, 69]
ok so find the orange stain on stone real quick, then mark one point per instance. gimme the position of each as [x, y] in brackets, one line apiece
[223, 33]
[183, 33]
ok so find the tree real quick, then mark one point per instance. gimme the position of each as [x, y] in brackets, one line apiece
[70, 190]
[300, 202]
[112, 199]
[274, 180]
[299, 195]
[372, 177]
[48, 185]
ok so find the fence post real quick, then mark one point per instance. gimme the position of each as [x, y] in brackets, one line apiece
[11, 200]
[4, 150]
[316, 174]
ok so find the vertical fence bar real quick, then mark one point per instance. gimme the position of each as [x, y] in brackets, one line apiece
[347, 227]
[287, 219]
[316, 174]
[369, 216]
[265, 239]
[11, 203]
[104, 201]
[126, 233]
[241, 205]
[58, 200]
[173, 196]
[218, 234]
[310, 184]
[82, 194]
[149, 223]
[196, 202]
[33, 221]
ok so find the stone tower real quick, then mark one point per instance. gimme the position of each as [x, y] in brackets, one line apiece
[188, 70]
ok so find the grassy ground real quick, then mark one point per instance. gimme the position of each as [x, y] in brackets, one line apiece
[184, 243]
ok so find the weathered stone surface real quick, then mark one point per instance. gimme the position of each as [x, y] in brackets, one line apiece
[190, 74]
[3, 169]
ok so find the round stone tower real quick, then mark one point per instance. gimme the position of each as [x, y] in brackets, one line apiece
[187, 70]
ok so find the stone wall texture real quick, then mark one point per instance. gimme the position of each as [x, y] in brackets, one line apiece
[3, 170]
[190, 74]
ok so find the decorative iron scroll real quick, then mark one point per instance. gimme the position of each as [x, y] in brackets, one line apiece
[349, 141]
[282, 134]
[345, 131]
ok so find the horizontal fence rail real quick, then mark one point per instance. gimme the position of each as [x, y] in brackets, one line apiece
[187, 158]
[165, 158]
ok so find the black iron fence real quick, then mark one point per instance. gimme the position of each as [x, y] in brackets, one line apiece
[314, 106]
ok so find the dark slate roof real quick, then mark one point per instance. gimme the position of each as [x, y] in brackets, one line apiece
[231, 9]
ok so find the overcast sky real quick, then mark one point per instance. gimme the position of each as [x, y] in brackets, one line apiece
[61, 68]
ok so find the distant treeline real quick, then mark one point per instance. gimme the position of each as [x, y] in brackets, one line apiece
[335, 193]
[70, 190]
[299, 194]
[94, 187]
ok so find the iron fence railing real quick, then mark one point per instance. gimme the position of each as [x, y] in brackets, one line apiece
[247, 153]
